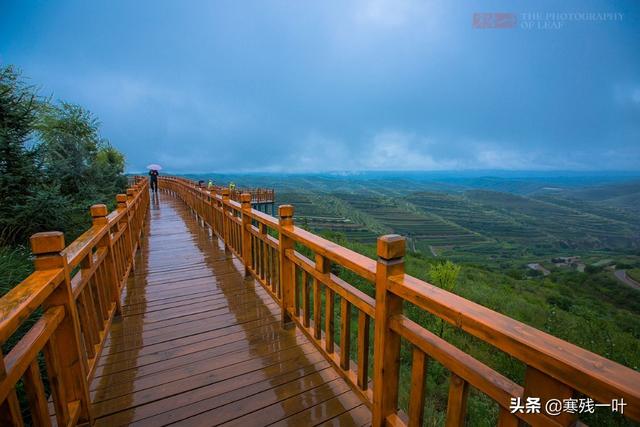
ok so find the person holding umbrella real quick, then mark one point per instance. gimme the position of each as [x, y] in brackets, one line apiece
[153, 173]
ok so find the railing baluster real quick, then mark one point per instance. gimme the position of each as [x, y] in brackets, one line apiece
[457, 402]
[363, 350]
[345, 333]
[305, 300]
[55, 381]
[296, 293]
[275, 268]
[417, 391]
[245, 199]
[540, 385]
[36, 395]
[88, 325]
[9, 409]
[329, 317]
[317, 305]
[507, 419]
[263, 249]
[226, 233]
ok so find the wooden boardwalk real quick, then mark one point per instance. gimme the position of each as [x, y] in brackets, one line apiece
[198, 344]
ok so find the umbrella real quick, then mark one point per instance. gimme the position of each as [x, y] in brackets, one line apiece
[154, 167]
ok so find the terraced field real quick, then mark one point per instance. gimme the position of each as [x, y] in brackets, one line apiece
[480, 219]
[402, 218]
[562, 224]
[319, 212]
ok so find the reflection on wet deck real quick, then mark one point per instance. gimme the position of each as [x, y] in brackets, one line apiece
[198, 344]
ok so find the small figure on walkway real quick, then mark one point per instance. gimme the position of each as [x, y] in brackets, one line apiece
[154, 180]
[210, 185]
[153, 175]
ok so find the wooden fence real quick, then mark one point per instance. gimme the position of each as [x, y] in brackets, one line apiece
[555, 369]
[77, 291]
[258, 195]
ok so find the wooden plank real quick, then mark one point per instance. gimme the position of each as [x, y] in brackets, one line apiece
[292, 405]
[183, 383]
[357, 417]
[323, 411]
[184, 405]
[232, 351]
[271, 400]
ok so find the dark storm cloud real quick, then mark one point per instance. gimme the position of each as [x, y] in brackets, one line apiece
[309, 86]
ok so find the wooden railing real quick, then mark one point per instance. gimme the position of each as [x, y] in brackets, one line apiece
[77, 289]
[555, 369]
[258, 195]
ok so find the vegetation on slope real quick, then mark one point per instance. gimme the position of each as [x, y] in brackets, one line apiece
[53, 166]
[591, 310]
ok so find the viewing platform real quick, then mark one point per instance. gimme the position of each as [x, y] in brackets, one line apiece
[189, 308]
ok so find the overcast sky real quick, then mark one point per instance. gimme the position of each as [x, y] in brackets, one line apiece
[203, 86]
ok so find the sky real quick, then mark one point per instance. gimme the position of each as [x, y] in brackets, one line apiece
[312, 86]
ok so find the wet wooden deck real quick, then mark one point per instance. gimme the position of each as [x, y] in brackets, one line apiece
[198, 344]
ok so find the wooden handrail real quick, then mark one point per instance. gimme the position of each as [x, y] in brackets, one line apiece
[556, 369]
[78, 288]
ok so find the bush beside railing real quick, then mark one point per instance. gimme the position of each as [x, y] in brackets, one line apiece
[78, 289]
[555, 369]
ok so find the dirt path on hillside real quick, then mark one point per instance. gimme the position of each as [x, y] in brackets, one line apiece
[622, 276]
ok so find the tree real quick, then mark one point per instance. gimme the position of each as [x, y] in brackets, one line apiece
[444, 275]
[70, 139]
[19, 172]
[53, 163]
[109, 170]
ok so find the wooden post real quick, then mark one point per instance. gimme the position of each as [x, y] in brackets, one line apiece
[225, 222]
[287, 267]
[386, 352]
[245, 199]
[47, 248]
